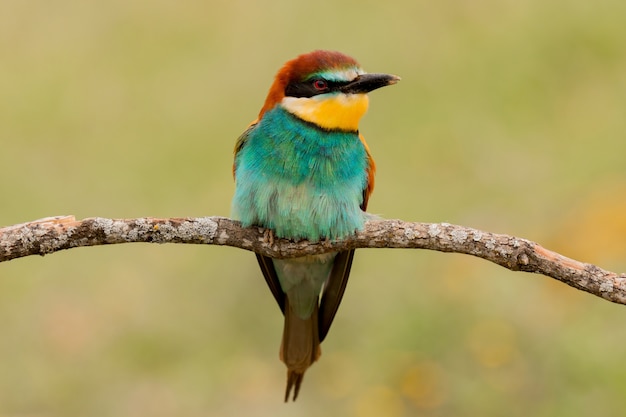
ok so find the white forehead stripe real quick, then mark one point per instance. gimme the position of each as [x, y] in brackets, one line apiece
[347, 74]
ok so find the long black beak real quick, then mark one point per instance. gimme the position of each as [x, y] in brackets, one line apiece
[365, 83]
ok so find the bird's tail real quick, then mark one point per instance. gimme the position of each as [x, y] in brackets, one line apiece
[300, 347]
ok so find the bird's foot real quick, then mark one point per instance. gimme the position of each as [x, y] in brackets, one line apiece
[326, 242]
[268, 236]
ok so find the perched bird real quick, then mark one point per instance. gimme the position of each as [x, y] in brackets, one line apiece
[303, 171]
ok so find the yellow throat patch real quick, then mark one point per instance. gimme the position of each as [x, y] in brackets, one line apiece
[339, 111]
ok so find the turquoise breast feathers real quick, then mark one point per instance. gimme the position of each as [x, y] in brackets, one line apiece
[298, 180]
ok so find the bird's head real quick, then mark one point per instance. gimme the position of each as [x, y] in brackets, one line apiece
[326, 88]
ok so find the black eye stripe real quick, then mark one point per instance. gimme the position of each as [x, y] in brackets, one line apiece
[307, 88]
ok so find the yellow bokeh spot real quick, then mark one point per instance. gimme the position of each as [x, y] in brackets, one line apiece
[379, 401]
[594, 229]
[422, 384]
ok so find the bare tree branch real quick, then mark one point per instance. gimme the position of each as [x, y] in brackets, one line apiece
[53, 234]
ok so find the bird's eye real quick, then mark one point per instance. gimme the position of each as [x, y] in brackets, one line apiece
[320, 85]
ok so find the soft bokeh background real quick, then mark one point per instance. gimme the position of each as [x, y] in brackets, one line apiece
[510, 117]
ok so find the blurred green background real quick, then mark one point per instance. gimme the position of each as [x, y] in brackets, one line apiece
[510, 117]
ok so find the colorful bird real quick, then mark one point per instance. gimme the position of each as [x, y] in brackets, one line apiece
[303, 171]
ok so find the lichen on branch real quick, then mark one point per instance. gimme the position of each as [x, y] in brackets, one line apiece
[52, 234]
